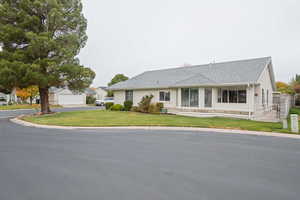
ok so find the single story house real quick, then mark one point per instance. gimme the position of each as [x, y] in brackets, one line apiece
[242, 87]
[3, 99]
[9, 97]
[101, 92]
[64, 96]
[98, 93]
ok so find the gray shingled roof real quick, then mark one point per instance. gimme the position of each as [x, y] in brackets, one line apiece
[90, 91]
[103, 87]
[234, 72]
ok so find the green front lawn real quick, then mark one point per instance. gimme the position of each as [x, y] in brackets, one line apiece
[98, 118]
[295, 111]
[22, 106]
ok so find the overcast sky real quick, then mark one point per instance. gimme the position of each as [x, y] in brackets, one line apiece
[133, 36]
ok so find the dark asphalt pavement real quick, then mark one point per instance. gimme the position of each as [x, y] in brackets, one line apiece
[44, 164]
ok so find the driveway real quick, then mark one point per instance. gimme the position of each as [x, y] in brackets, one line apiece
[44, 164]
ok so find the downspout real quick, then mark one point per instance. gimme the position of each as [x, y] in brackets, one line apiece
[254, 101]
[249, 108]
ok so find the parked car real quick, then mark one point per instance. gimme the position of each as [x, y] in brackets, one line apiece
[104, 101]
[3, 101]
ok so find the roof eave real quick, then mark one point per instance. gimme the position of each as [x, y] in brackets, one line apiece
[186, 86]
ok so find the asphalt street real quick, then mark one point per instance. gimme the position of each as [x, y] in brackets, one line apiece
[50, 164]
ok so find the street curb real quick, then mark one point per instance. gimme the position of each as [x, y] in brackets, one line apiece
[17, 120]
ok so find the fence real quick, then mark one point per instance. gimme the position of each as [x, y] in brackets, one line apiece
[285, 103]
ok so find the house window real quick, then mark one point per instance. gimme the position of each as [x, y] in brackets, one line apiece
[129, 95]
[194, 97]
[242, 96]
[164, 96]
[185, 97]
[225, 96]
[189, 97]
[220, 95]
[232, 96]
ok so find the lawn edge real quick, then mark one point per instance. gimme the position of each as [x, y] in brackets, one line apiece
[19, 121]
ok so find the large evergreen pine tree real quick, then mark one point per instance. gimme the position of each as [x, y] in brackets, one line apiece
[40, 40]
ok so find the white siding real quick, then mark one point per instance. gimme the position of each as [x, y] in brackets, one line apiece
[266, 84]
[119, 96]
[66, 97]
[175, 100]
[100, 94]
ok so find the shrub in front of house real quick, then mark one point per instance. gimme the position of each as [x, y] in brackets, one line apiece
[127, 105]
[117, 107]
[295, 111]
[90, 100]
[108, 105]
[135, 109]
[160, 105]
[155, 108]
[144, 105]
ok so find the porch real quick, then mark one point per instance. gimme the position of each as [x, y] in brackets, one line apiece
[241, 101]
[238, 100]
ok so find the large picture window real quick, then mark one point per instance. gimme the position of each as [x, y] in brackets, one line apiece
[189, 97]
[232, 96]
[129, 95]
[242, 96]
[164, 96]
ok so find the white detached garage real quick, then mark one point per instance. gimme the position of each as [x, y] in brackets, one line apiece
[64, 96]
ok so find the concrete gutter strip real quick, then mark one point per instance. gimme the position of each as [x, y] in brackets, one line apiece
[243, 132]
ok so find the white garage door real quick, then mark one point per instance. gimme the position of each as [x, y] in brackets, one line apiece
[71, 99]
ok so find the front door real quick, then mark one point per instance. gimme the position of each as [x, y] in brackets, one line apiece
[208, 98]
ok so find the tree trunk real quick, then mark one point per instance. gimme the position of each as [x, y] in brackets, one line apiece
[44, 94]
[30, 100]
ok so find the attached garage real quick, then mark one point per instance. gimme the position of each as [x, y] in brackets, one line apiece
[63, 96]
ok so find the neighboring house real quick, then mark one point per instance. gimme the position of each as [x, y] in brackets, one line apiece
[98, 93]
[3, 99]
[101, 93]
[64, 96]
[243, 87]
[12, 97]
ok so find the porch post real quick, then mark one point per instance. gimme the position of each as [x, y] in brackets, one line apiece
[248, 97]
[179, 97]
